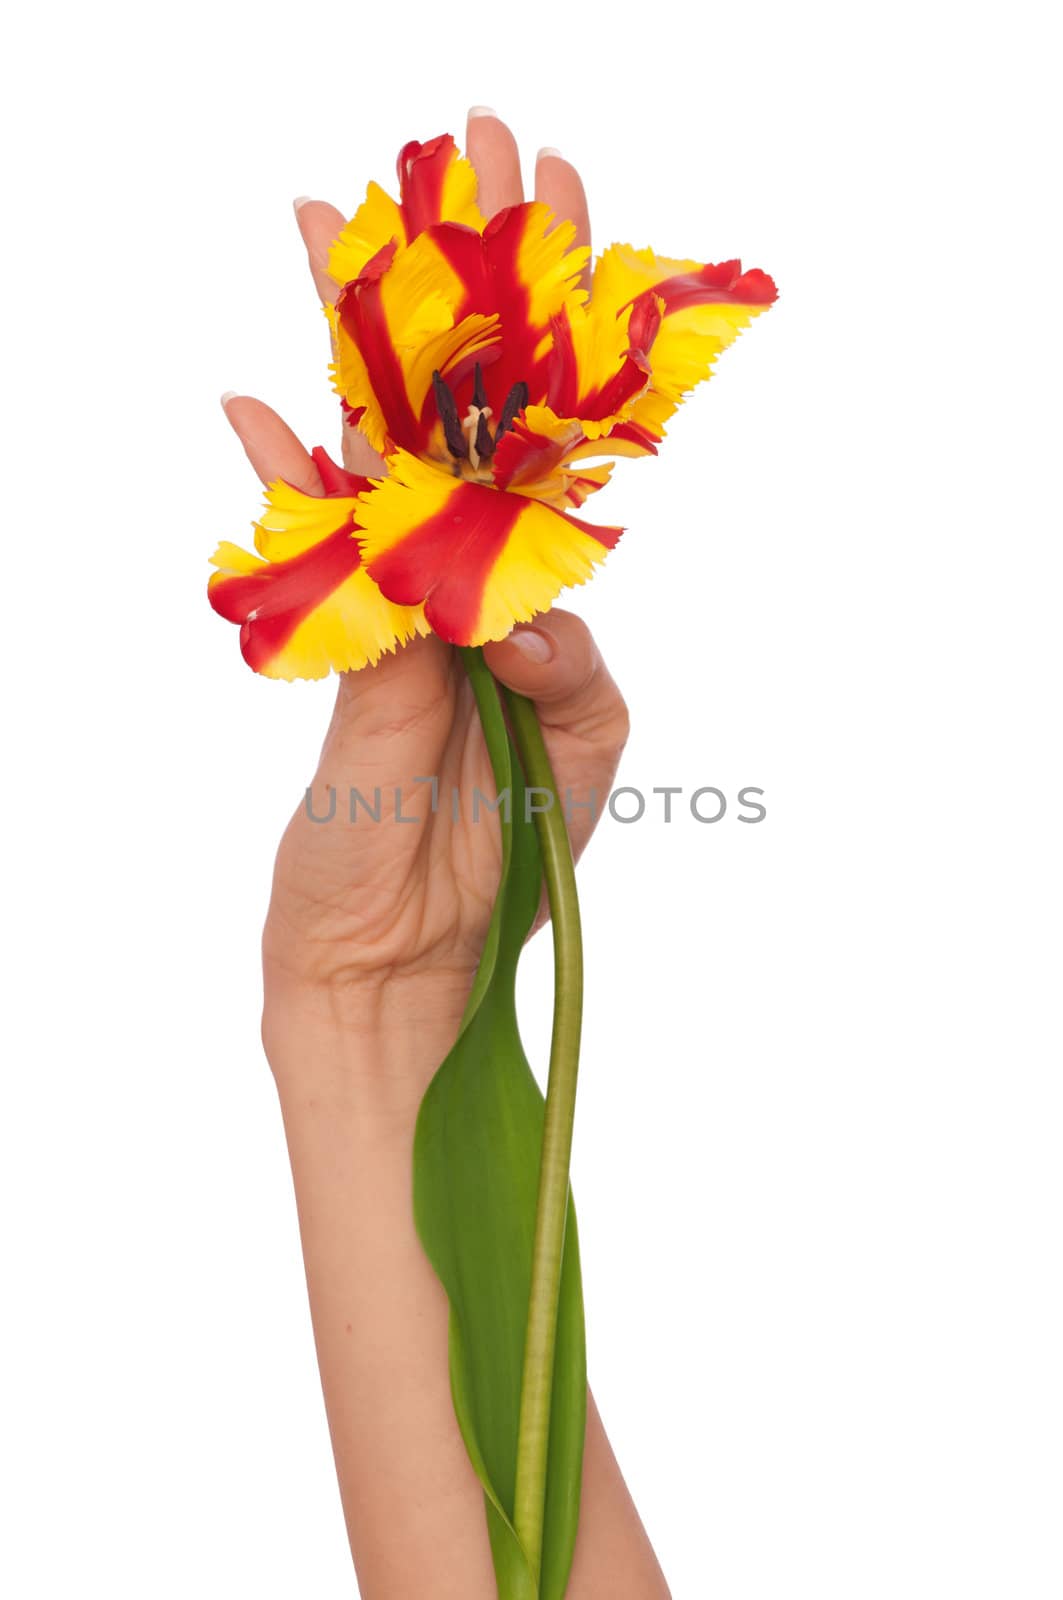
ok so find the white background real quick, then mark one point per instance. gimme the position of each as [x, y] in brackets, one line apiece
[818, 1147]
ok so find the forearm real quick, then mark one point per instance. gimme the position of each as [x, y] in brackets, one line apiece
[410, 1497]
[413, 1505]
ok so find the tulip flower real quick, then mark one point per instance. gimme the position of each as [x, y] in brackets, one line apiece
[495, 389]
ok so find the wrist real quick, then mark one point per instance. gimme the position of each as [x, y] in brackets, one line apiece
[374, 1044]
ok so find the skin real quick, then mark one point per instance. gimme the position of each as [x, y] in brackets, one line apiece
[370, 945]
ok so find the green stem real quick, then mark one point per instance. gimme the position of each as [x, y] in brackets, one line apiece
[552, 1211]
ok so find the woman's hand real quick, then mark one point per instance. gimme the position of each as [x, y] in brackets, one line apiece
[378, 925]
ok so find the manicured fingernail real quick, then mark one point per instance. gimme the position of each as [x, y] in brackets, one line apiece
[482, 111]
[301, 200]
[230, 394]
[536, 646]
[549, 150]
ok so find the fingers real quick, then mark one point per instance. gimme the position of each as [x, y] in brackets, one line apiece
[320, 225]
[557, 664]
[492, 150]
[558, 185]
[271, 446]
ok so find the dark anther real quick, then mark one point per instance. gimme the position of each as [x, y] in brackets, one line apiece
[516, 400]
[479, 393]
[485, 445]
[446, 405]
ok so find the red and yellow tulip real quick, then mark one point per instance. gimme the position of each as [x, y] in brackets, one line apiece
[473, 359]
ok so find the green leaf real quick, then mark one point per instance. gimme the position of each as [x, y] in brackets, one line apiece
[476, 1178]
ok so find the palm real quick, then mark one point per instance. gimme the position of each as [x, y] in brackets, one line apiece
[403, 871]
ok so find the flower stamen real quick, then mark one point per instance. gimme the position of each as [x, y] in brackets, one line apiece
[515, 402]
[447, 407]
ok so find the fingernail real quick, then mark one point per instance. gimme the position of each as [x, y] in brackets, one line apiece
[549, 150]
[230, 394]
[533, 644]
[482, 111]
[301, 200]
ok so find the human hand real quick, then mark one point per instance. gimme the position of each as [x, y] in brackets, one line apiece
[379, 924]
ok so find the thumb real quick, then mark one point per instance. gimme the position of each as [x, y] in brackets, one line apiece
[557, 665]
[555, 662]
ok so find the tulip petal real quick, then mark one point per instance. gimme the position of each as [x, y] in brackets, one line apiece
[436, 184]
[599, 362]
[621, 274]
[652, 330]
[703, 309]
[305, 604]
[581, 483]
[479, 559]
[534, 448]
[534, 459]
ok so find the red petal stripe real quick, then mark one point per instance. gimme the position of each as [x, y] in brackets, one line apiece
[422, 174]
[361, 313]
[335, 479]
[563, 393]
[447, 559]
[725, 282]
[488, 266]
[606, 536]
[524, 456]
[284, 594]
[635, 433]
[645, 322]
